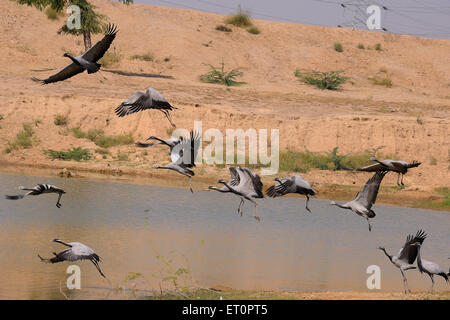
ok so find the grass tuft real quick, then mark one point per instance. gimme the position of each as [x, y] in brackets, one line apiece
[223, 28]
[100, 139]
[298, 161]
[220, 76]
[240, 19]
[331, 80]
[22, 139]
[76, 154]
[253, 30]
[338, 47]
[360, 46]
[61, 120]
[387, 82]
[144, 57]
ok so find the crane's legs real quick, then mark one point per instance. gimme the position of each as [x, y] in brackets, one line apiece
[432, 283]
[190, 185]
[239, 211]
[57, 202]
[307, 200]
[257, 218]
[402, 179]
[166, 113]
[102, 76]
[370, 227]
[405, 283]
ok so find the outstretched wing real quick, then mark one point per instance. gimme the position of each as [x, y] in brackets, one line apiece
[234, 177]
[186, 151]
[369, 192]
[66, 73]
[372, 167]
[256, 181]
[280, 189]
[409, 252]
[137, 102]
[98, 50]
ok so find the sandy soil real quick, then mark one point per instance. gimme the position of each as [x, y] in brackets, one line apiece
[411, 119]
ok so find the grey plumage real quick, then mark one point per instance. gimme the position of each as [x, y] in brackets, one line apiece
[407, 255]
[430, 268]
[171, 142]
[366, 198]
[294, 184]
[144, 100]
[244, 183]
[77, 251]
[87, 61]
[37, 190]
[398, 166]
[183, 156]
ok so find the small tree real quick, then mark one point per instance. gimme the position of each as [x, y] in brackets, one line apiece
[91, 21]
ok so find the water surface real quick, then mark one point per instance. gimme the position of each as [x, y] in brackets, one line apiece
[135, 228]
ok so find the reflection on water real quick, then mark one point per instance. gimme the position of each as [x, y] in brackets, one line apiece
[135, 227]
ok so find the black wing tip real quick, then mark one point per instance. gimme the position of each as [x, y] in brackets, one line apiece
[38, 80]
[111, 30]
[121, 111]
[271, 192]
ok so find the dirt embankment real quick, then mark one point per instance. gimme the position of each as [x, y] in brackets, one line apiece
[410, 120]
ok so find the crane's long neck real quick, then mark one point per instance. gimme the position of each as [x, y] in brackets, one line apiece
[160, 141]
[387, 254]
[419, 260]
[343, 206]
[218, 189]
[72, 58]
[233, 190]
[63, 243]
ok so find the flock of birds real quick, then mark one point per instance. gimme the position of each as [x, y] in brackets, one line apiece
[244, 183]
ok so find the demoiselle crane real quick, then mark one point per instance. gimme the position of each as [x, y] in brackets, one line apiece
[171, 142]
[399, 166]
[294, 184]
[37, 190]
[183, 156]
[430, 268]
[143, 100]
[244, 183]
[77, 251]
[365, 199]
[87, 61]
[407, 255]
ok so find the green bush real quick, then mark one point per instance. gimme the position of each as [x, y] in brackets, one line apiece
[240, 18]
[61, 120]
[220, 76]
[360, 46]
[387, 82]
[22, 139]
[338, 47]
[331, 80]
[223, 28]
[100, 139]
[253, 30]
[76, 154]
[145, 57]
[304, 161]
[378, 47]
